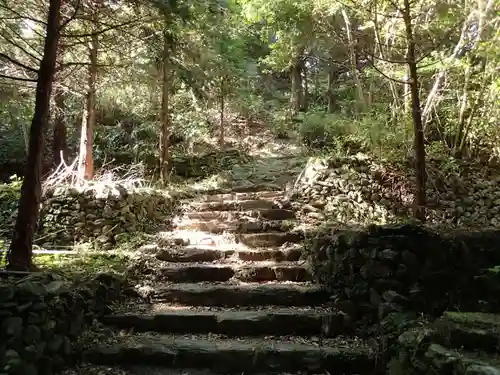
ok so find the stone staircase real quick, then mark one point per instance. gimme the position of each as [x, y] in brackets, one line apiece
[235, 296]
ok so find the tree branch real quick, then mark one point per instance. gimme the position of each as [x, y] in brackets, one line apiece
[11, 42]
[102, 31]
[385, 75]
[72, 17]
[18, 78]
[20, 16]
[20, 64]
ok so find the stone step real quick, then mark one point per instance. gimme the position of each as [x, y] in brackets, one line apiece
[269, 239]
[246, 205]
[252, 188]
[250, 294]
[267, 214]
[247, 356]
[271, 321]
[236, 240]
[469, 331]
[241, 196]
[257, 272]
[219, 226]
[91, 369]
[211, 254]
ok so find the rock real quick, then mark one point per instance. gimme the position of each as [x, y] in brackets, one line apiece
[482, 370]
[11, 327]
[388, 254]
[32, 334]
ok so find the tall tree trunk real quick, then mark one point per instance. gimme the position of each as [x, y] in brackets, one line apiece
[59, 141]
[221, 113]
[462, 112]
[305, 96]
[86, 160]
[165, 113]
[297, 87]
[418, 128]
[21, 248]
[333, 75]
[360, 97]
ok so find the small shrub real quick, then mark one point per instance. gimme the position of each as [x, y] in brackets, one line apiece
[281, 124]
[323, 131]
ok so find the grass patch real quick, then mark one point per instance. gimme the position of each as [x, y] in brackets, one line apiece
[82, 264]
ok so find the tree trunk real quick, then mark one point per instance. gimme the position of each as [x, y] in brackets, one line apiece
[305, 96]
[461, 114]
[21, 248]
[221, 113]
[360, 97]
[418, 128]
[59, 143]
[86, 160]
[333, 75]
[165, 113]
[296, 74]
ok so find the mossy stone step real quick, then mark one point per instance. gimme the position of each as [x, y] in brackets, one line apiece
[470, 331]
[246, 205]
[211, 254]
[241, 196]
[442, 360]
[257, 272]
[269, 239]
[271, 321]
[267, 214]
[251, 294]
[236, 226]
[247, 356]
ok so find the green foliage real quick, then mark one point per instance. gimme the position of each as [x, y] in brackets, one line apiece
[9, 197]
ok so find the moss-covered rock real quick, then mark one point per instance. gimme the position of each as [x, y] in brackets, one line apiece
[436, 348]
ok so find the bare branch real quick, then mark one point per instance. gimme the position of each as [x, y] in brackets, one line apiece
[385, 75]
[11, 42]
[102, 31]
[72, 17]
[21, 16]
[20, 64]
[18, 78]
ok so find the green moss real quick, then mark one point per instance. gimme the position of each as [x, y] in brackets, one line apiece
[82, 264]
[475, 319]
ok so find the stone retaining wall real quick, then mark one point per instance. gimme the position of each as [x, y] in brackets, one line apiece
[356, 190]
[375, 271]
[41, 318]
[69, 215]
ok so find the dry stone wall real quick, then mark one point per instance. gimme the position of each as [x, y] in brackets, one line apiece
[373, 272]
[69, 215]
[42, 317]
[356, 190]
[101, 216]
